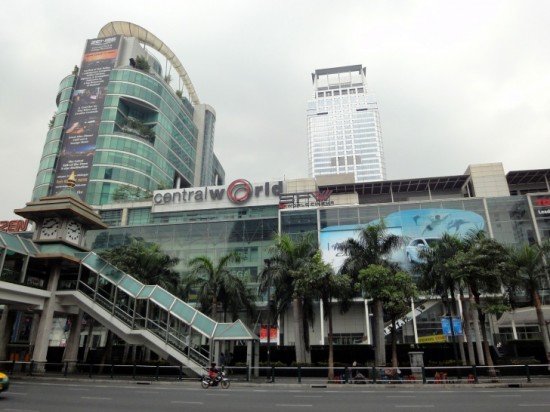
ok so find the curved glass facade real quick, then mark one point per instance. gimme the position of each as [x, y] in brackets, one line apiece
[123, 156]
[124, 132]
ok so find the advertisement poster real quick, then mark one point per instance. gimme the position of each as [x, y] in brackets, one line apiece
[273, 339]
[418, 228]
[446, 326]
[79, 137]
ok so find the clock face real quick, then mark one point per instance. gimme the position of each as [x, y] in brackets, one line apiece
[73, 231]
[50, 228]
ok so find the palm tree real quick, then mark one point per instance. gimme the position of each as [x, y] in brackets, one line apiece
[236, 297]
[372, 246]
[529, 270]
[480, 267]
[214, 282]
[437, 279]
[395, 290]
[146, 262]
[288, 255]
[317, 279]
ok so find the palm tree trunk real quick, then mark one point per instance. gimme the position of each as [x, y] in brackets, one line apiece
[486, 349]
[475, 319]
[214, 309]
[460, 337]
[541, 321]
[305, 332]
[468, 329]
[328, 311]
[380, 341]
[394, 362]
[298, 330]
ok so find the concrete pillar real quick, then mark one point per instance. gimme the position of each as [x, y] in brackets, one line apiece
[34, 331]
[254, 362]
[40, 351]
[5, 332]
[73, 342]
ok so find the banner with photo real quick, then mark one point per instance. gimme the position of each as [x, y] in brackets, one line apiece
[418, 228]
[78, 141]
[274, 336]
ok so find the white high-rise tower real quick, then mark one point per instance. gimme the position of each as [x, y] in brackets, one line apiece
[343, 126]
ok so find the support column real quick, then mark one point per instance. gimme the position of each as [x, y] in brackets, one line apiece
[73, 342]
[254, 363]
[5, 332]
[40, 351]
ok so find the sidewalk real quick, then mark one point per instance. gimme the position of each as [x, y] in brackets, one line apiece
[292, 383]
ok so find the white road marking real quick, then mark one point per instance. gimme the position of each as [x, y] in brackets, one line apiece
[21, 410]
[188, 402]
[415, 406]
[401, 396]
[528, 405]
[289, 405]
[96, 398]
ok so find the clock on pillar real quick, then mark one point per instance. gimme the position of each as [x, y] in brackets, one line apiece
[73, 231]
[62, 219]
[50, 228]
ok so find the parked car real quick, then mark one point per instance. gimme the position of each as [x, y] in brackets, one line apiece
[417, 245]
[4, 382]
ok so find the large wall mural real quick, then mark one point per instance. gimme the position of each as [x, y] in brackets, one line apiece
[419, 229]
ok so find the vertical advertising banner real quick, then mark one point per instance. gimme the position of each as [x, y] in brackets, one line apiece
[456, 326]
[79, 137]
[273, 337]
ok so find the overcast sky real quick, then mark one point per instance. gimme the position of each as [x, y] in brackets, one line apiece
[457, 82]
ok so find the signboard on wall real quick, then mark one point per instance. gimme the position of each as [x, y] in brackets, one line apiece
[13, 226]
[79, 138]
[541, 206]
[432, 339]
[238, 193]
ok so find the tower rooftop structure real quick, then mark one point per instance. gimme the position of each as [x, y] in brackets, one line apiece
[343, 125]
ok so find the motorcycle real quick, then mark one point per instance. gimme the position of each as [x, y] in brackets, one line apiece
[221, 380]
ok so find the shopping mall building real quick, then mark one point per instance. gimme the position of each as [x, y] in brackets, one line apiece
[123, 132]
[513, 208]
[243, 217]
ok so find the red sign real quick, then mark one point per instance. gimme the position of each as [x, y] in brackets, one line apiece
[273, 339]
[12, 226]
[542, 207]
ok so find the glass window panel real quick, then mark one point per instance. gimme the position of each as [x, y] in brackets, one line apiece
[162, 298]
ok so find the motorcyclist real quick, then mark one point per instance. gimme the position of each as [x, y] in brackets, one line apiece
[214, 372]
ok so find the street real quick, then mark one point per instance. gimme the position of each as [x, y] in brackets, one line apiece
[82, 396]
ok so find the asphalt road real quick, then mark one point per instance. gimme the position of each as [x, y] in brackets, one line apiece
[40, 396]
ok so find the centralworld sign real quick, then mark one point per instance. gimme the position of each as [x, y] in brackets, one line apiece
[239, 192]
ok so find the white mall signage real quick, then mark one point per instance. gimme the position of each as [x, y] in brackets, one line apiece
[238, 193]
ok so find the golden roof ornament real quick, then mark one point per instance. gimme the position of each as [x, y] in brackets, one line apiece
[71, 181]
